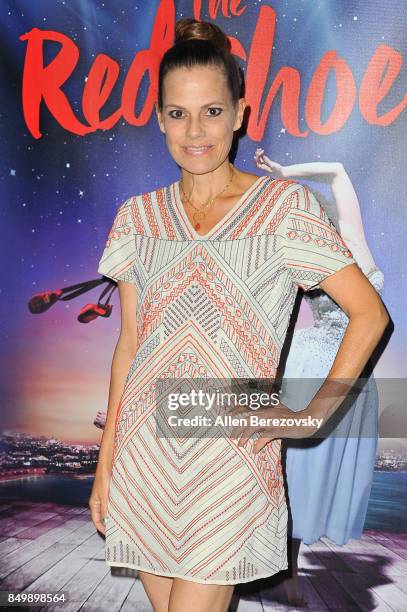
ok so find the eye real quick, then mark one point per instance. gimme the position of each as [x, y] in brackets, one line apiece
[175, 114]
[217, 111]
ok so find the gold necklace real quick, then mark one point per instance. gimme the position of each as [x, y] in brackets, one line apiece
[200, 213]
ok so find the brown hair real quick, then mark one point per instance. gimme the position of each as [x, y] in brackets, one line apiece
[190, 29]
[200, 43]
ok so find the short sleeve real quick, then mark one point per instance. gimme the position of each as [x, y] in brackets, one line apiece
[119, 253]
[376, 278]
[313, 248]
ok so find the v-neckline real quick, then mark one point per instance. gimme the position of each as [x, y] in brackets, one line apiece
[187, 223]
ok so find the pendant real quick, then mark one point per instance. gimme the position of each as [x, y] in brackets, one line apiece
[197, 226]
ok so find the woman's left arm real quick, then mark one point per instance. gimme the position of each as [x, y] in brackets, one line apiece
[368, 319]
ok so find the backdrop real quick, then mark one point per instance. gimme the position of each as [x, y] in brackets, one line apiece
[325, 82]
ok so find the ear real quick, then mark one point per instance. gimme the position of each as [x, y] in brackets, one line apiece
[159, 118]
[240, 108]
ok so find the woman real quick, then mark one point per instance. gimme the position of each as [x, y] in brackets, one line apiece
[207, 277]
[328, 480]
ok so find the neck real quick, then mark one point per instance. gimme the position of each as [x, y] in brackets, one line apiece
[202, 187]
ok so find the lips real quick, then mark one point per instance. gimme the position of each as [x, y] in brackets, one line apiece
[197, 150]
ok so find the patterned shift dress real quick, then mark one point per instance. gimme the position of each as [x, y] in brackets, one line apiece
[211, 306]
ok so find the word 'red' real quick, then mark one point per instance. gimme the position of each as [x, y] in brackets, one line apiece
[43, 83]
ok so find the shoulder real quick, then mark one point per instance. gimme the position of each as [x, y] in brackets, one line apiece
[284, 187]
[294, 197]
[145, 198]
[123, 213]
[290, 187]
[140, 199]
[282, 193]
[285, 203]
[143, 212]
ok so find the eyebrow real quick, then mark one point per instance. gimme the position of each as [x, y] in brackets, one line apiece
[204, 106]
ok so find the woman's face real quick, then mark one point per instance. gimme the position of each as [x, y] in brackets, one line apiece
[198, 117]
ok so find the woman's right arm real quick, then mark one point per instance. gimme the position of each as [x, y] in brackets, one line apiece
[126, 348]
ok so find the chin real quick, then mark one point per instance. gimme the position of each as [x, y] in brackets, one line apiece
[195, 166]
[199, 164]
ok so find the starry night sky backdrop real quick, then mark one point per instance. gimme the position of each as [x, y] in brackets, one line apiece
[60, 192]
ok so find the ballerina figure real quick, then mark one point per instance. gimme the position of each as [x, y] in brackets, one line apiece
[328, 480]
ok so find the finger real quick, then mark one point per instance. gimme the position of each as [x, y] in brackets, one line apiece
[268, 161]
[98, 522]
[98, 512]
[94, 505]
[263, 166]
[261, 443]
[247, 433]
[236, 432]
[243, 440]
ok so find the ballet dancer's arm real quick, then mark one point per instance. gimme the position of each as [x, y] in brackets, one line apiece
[123, 355]
[349, 215]
[350, 219]
[317, 171]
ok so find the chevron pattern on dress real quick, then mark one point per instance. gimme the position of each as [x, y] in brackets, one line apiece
[193, 302]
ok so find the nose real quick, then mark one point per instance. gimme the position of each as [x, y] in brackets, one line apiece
[195, 128]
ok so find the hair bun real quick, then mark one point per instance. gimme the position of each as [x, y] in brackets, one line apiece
[190, 29]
